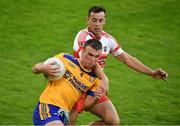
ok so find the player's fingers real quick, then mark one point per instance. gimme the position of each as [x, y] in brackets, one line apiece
[159, 70]
[54, 67]
[98, 95]
[55, 71]
[53, 74]
[100, 90]
[97, 92]
[53, 63]
[164, 73]
[100, 87]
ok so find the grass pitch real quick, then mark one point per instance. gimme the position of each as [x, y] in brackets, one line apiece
[33, 30]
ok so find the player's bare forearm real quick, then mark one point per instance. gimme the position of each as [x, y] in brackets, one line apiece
[135, 64]
[102, 76]
[140, 67]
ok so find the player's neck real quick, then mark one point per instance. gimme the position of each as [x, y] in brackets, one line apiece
[96, 36]
[86, 68]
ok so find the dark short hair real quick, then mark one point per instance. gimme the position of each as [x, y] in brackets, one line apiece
[94, 43]
[96, 9]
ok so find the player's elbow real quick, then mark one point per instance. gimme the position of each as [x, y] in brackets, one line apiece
[34, 70]
[37, 68]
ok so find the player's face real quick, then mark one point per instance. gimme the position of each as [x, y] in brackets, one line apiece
[95, 23]
[90, 57]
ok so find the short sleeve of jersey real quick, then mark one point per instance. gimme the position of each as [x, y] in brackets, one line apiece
[76, 44]
[115, 47]
[60, 55]
[79, 40]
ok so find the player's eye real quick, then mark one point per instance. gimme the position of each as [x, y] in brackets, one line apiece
[94, 20]
[101, 20]
[91, 55]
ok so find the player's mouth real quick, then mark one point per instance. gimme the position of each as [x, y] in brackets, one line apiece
[97, 29]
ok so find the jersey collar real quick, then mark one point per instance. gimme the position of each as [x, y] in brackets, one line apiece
[84, 69]
[92, 35]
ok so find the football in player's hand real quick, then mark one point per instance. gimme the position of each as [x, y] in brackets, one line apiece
[55, 63]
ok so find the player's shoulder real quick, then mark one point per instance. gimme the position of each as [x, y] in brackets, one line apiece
[58, 55]
[83, 31]
[70, 58]
[67, 55]
[107, 35]
[82, 35]
[64, 55]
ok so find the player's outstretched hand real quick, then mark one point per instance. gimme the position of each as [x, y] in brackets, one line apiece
[160, 74]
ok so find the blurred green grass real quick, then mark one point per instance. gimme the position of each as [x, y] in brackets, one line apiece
[33, 30]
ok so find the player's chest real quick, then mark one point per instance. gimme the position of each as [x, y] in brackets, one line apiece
[106, 46]
[78, 77]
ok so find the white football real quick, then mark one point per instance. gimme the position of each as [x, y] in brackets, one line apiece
[58, 63]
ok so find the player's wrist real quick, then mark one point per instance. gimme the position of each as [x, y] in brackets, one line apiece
[152, 73]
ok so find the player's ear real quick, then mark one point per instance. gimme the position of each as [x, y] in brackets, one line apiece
[87, 20]
[82, 51]
[104, 20]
